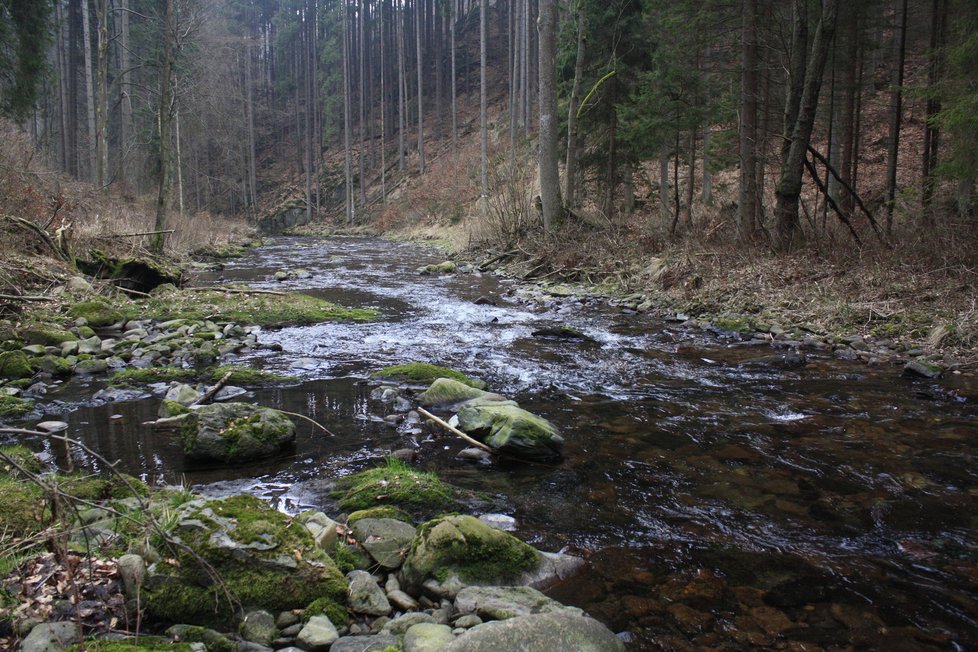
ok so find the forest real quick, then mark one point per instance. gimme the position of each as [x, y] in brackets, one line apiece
[411, 325]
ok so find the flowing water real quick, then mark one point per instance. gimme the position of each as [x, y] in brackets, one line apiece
[721, 504]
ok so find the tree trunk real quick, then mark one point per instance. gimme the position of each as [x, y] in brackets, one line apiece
[362, 67]
[483, 124]
[417, 42]
[932, 134]
[89, 90]
[549, 123]
[401, 90]
[706, 195]
[747, 189]
[383, 111]
[691, 180]
[896, 115]
[454, 20]
[62, 59]
[102, 95]
[74, 21]
[165, 116]
[792, 168]
[348, 158]
[573, 104]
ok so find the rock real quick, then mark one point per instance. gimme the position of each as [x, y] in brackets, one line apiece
[92, 366]
[782, 361]
[474, 454]
[132, 571]
[51, 426]
[302, 273]
[539, 633]
[385, 539]
[510, 429]
[317, 635]
[500, 521]
[54, 365]
[182, 393]
[281, 276]
[258, 627]
[402, 624]
[287, 619]
[447, 267]
[212, 640]
[235, 432]
[467, 621]
[445, 391]
[322, 528]
[467, 547]
[266, 560]
[91, 345]
[561, 333]
[78, 284]
[52, 637]
[14, 365]
[916, 368]
[96, 314]
[141, 274]
[427, 637]
[554, 567]
[502, 602]
[365, 596]
[402, 600]
[375, 643]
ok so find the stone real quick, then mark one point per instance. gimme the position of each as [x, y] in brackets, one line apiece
[467, 621]
[132, 571]
[539, 633]
[281, 276]
[374, 643]
[502, 602]
[387, 540]
[511, 430]
[92, 366]
[52, 637]
[287, 619]
[317, 635]
[258, 627]
[365, 596]
[322, 528]
[34, 349]
[14, 365]
[235, 432]
[467, 547]
[427, 637]
[91, 344]
[446, 267]
[402, 600]
[51, 426]
[78, 284]
[445, 391]
[402, 624]
[212, 640]
[474, 454]
[916, 368]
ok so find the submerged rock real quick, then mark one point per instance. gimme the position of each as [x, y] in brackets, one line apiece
[510, 429]
[446, 267]
[445, 391]
[235, 432]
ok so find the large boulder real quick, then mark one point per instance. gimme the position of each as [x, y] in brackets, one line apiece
[235, 432]
[539, 633]
[502, 602]
[14, 365]
[448, 391]
[238, 552]
[511, 430]
[466, 547]
[384, 539]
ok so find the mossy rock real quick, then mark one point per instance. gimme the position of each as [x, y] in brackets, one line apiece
[235, 432]
[465, 546]
[446, 267]
[131, 377]
[384, 511]
[424, 373]
[510, 429]
[12, 406]
[135, 273]
[141, 644]
[396, 484]
[96, 313]
[47, 335]
[14, 364]
[447, 391]
[98, 488]
[336, 612]
[264, 559]
[22, 508]
[23, 457]
[248, 376]
[52, 364]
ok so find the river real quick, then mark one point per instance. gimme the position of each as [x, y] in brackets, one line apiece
[720, 503]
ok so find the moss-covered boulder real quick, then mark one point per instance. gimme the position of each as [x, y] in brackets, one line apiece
[241, 553]
[399, 485]
[447, 391]
[424, 373]
[12, 406]
[235, 432]
[96, 313]
[468, 548]
[384, 511]
[14, 364]
[446, 267]
[142, 273]
[47, 335]
[510, 429]
[53, 364]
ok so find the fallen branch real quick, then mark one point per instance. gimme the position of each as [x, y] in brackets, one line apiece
[16, 297]
[237, 291]
[447, 426]
[112, 236]
[212, 392]
[40, 233]
[312, 421]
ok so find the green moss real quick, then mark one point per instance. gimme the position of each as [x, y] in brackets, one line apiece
[733, 324]
[424, 373]
[394, 484]
[95, 488]
[337, 613]
[24, 458]
[348, 557]
[173, 409]
[141, 644]
[384, 511]
[11, 406]
[248, 376]
[96, 313]
[130, 377]
[21, 508]
[14, 364]
[47, 335]
[214, 641]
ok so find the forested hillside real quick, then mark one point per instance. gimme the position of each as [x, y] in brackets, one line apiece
[596, 134]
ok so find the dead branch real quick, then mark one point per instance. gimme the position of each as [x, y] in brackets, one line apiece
[447, 426]
[212, 392]
[24, 297]
[113, 236]
[835, 207]
[237, 291]
[859, 202]
[312, 421]
[40, 233]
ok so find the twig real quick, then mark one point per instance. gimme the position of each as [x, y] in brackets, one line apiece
[131, 291]
[112, 236]
[312, 421]
[15, 297]
[212, 288]
[212, 392]
[454, 430]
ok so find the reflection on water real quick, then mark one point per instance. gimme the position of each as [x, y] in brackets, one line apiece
[720, 504]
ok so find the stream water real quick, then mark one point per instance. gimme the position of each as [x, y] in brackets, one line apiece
[720, 503]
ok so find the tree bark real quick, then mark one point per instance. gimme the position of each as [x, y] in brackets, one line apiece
[896, 115]
[932, 134]
[483, 123]
[789, 186]
[89, 90]
[165, 116]
[573, 104]
[347, 156]
[417, 41]
[747, 188]
[102, 95]
[549, 175]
